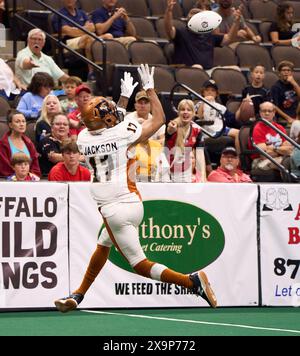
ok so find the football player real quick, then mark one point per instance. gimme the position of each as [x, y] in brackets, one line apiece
[106, 144]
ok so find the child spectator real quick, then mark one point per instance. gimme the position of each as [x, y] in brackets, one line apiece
[20, 163]
[281, 31]
[285, 93]
[205, 112]
[69, 103]
[256, 90]
[69, 169]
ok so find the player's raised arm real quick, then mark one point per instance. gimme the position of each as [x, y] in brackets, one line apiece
[150, 126]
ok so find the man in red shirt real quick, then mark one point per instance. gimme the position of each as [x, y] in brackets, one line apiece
[269, 140]
[69, 170]
[83, 95]
[228, 171]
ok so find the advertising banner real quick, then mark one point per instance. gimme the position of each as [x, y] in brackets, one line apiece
[186, 227]
[34, 244]
[280, 244]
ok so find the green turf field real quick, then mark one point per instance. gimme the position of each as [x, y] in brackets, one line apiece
[155, 322]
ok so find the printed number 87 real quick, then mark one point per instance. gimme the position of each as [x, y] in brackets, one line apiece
[280, 269]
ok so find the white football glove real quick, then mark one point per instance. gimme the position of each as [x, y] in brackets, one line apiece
[147, 76]
[127, 85]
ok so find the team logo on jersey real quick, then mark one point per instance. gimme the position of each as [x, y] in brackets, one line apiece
[179, 235]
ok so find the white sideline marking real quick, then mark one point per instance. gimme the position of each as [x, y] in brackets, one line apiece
[194, 321]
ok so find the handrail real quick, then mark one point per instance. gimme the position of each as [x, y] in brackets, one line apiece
[217, 134]
[291, 176]
[60, 43]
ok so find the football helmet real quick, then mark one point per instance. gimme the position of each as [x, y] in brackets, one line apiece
[100, 113]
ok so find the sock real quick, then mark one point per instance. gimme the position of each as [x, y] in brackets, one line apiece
[170, 276]
[97, 261]
[167, 275]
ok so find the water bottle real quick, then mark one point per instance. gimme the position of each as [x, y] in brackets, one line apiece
[43, 134]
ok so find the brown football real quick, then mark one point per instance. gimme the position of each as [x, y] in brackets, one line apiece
[246, 111]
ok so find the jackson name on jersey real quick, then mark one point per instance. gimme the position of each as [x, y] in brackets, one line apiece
[110, 161]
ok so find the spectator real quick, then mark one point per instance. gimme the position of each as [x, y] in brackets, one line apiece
[69, 103]
[285, 93]
[281, 31]
[143, 112]
[256, 90]
[83, 95]
[269, 140]
[227, 11]
[20, 163]
[228, 171]
[113, 20]
[31, 102]
[15, 141]
[69, 169]
[205, 112]
[31, 60]
[183, 136]
[10, 86]
[73, 36]
[51, 107]
[50, 146]
[295, 127]
[194, 49]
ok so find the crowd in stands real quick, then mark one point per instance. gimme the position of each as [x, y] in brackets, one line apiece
[183, 150]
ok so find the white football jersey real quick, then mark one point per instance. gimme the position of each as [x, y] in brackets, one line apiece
[110, 162]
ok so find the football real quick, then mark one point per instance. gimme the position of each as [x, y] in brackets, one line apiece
[247, 111]
[204, 22]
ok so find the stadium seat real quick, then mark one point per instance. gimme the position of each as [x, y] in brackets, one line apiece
[169, 51]
[134, 7]
[164, 79]
[3, 128]
[271, 78]
[144, 27]
[287, 53]
[229, 81]
[224, 56]
[89, 6]
[158, 8]
[192, 77]
[296, 75]
[146, 52]
[30, 130]
[257, 175]
[115, 53]
[249, 55]
[264, 30]
[296, 7]
[233, 105]
[263, 10]
[187, 5]
[160, 26]
[11, 63]
[4, 107]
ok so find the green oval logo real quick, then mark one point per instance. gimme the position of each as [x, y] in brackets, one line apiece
[181, 236]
